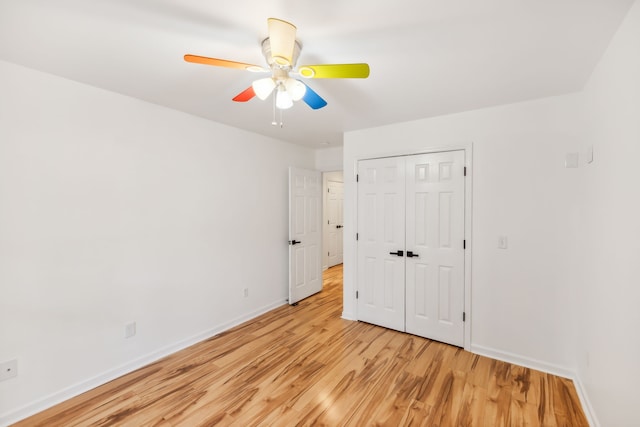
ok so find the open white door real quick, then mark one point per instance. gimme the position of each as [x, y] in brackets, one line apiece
[305, 233]
[335, 197]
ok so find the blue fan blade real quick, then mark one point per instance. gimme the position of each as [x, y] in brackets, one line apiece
[312, 99]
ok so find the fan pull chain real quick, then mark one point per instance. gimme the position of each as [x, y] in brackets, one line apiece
[273, 122]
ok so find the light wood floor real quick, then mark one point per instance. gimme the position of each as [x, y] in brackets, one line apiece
[304, 365]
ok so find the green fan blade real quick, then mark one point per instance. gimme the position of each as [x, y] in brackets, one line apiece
[335, 71]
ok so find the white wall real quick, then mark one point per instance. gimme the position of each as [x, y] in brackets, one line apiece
[113, 210]
[328, 159]
[521, 189]
[608, 279]
[564, 296]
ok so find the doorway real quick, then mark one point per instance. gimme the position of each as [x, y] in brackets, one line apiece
[333, 217]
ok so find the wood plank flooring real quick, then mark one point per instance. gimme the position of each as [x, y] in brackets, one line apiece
[304, 365]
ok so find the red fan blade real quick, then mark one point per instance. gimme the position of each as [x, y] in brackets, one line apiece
[245, 95]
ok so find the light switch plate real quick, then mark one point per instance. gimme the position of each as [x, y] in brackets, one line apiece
[590, 154]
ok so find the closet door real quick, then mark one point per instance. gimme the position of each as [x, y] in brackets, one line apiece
[434, 236]
[381, 262]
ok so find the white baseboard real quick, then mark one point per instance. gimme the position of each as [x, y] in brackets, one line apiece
[98, 380]
[586, 403]
[549, 368]
[523, 361]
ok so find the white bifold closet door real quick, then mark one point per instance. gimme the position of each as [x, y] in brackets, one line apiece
[411, 244]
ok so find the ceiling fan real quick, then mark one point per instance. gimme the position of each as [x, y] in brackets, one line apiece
[281, 50]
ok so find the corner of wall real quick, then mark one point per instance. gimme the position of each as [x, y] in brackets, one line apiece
[587, 407]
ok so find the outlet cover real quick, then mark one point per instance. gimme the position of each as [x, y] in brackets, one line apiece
[571, 160]
[8, 369]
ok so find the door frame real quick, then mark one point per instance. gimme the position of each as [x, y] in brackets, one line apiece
[468, 210]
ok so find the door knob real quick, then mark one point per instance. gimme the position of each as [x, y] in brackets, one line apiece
[338, 226]
[294, 242]
[412, 255]
[399, 253]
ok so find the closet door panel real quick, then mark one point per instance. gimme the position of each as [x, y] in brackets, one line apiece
[381, 229]
[434, 235]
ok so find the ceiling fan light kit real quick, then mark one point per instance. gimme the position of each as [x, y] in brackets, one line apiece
[296, 88]
[281, 51]
[284, 100]
[263, 87]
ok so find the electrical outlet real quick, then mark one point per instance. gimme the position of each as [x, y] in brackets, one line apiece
[246, 292]
[571, 160]
[8, 369]
[130, 330]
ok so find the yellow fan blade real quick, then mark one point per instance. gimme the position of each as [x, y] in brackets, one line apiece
[282, 38]
[335, 71]
[220, 62]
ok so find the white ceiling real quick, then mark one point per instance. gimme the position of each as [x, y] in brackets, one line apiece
[427, 57]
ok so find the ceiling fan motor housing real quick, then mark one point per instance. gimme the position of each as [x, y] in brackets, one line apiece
[274, 61]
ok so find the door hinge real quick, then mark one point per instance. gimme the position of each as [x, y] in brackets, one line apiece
[465, 171]
[356, 294]
[357, 236]
[464, 244]
[328, 254]
[328, 222]
[464, 316]
[357, 177]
